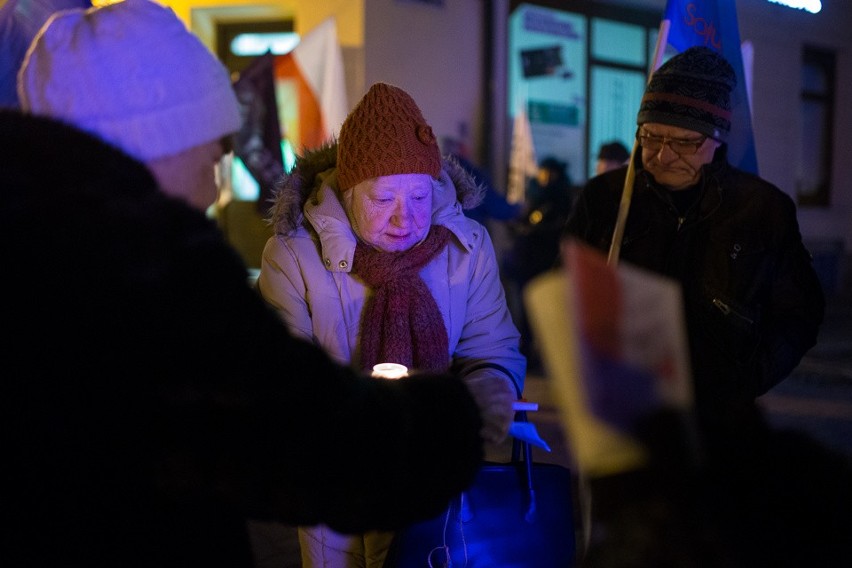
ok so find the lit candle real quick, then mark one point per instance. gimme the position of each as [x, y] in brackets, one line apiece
[390, 370]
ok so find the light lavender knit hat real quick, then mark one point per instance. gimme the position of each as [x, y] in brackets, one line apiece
[132, 74]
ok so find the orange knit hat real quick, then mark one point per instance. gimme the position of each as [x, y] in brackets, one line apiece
[385, 134]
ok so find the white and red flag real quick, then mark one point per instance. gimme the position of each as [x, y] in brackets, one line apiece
[290, 102]
[311, 88]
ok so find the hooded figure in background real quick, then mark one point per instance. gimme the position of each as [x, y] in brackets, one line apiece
[535, 237]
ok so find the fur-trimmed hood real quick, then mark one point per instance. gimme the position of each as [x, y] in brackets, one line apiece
[318, 167]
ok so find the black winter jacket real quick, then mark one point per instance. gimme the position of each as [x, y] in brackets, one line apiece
[153, 402]
[753, 302]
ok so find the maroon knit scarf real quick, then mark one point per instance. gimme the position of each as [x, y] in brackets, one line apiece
[401, 323]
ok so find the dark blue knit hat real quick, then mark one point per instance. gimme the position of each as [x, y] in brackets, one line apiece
[691, 90]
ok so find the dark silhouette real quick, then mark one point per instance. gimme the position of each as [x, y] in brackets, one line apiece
[494, 205]
[611, 155]
[153, 402]
[535, 239]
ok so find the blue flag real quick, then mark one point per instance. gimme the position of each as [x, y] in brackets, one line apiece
[713, 24]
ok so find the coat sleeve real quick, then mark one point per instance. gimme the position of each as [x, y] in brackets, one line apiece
[794, 309]
[280, 285]
[592, 216]
[489, 342]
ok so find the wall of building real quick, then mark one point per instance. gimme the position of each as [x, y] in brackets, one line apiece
[778, 35]
[435, 53]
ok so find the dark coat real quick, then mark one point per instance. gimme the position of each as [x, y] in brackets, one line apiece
[753, 306]
[153, 401]
[537, 233]
[753, 301]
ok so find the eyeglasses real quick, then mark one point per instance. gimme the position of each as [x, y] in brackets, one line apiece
[677, 145]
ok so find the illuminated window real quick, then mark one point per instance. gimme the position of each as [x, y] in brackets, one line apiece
[239, 42]
[580, 69]
[252, 44]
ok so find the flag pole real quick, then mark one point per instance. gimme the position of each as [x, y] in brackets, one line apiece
[627, 191]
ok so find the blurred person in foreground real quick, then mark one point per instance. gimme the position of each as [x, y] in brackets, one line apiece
[611, 155]
[105, 71]
[153, 401]
[374, 260]
[721, 488]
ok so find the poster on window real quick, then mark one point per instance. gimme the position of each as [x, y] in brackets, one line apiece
[547, 80]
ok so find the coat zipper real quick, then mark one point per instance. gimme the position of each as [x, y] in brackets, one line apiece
[727, 310]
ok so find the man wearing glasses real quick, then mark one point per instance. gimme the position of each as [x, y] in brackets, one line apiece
[753, 302]
[753, 307]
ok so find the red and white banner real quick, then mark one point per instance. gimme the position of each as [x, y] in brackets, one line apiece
[311, 88]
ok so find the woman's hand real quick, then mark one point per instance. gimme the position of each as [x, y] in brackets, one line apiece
[495, 396]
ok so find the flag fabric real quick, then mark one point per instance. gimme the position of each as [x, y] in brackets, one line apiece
[311, 88]
[632, 337]
[597, 448]
[713, 24]
[258, 142]
[290, 102]
[522, 160]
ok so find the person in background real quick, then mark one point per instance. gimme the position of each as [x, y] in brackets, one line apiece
[374, 260]
[721, 488]
[752, 300]
[154, 400]
[494, 205]
[535, 239]
[611, 155]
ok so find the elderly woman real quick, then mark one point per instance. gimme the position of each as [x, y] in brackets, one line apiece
[374, 260]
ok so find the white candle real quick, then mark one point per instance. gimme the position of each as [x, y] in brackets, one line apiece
[390, 370]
